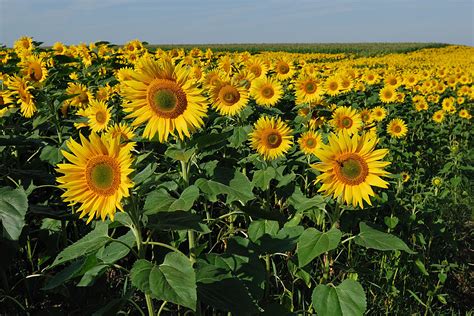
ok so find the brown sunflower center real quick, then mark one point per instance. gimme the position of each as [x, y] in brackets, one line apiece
[166, 98]
[103, 175]
[229, 95]
[351, 169]
[283, 68]
[346, 122]
[274, 140]
[35, 72]
[333, 86]
[311, 143]
[101, 117]
[2, 102]
[397, 128]
[267, 92]
[256, 70]
[310, 87]
[388, 94]
[83, 97]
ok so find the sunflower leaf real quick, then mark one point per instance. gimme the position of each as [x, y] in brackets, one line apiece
[372, 238]
[346, 299]
[312, 243]
[13, 207]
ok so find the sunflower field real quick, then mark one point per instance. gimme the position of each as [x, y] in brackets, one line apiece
[141, 180]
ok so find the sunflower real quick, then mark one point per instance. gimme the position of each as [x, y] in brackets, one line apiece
[59, 48]
[366, 116]
[98, 115]
[405, 176]
[271, 137]
[370, 77]
[24, 43]
[121, 131]
[350, 166]
[387, 94]
[436, 181]
[308, 90]
[379, 113]
[393, 81]
[164, 97]
[397, 128]
[332, 86]
[97, 175]
[464, 114]
[266, 91]
[6, 102]
[229, 98]
[20, 88]
[34, 68]
[346, 118]
[309, 142]
[438, 116]
[284, 69]
[81, 95]
[257, 66]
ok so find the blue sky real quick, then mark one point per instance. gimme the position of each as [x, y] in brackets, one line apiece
[238, 21]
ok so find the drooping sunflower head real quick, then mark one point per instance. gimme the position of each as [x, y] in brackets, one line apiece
[6, 102]
[34, 68]
[397, 128]
[20, 89]
[122, 131]
[405, 176]
[350, 166]
[229, 98]
[166, 98]
[97, 175]
[309, 142]
[346, 118]
[266, 91]
[271, 137]
[82, 95]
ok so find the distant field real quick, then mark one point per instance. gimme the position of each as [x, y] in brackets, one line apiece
[330, 48]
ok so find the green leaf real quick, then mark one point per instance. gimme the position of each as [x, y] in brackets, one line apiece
[186, 200]
[91, 242]
[175, 281]
[64, 275]
[239, 189]
[312, 243]
[391, 221]
[301, 203]
[51, 154]
[13, 207]
[346, 299]
[372, 238]
[177, 220]
[260, 227]
[146, 173]
[161, 201]
[140, 275]
[116, 250]
[261, 178]
[421, 267]
[239, 136]
[179, 154]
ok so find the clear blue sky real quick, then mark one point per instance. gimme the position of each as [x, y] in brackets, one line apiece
[238, 21]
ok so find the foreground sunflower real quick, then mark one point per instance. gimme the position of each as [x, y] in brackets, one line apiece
[97, 176]
[165, 97]
[397, 128]
[310, 142]
[350, 166]
[271, 137]
[266, 91]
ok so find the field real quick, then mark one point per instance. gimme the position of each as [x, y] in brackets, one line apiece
[246, 179]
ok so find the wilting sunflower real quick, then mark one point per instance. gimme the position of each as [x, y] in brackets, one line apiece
[34, 68]
[388, 94]
[346, 118]
[350, 166]
[165, 97]
[397, 128]
[229, 98]
[308, 90]
[271, 137]
[379, 113]
[121, 131]
[97, 175]
[438, 116]
[98, 115]
[20, 88]
[309, 142]
[266, 91]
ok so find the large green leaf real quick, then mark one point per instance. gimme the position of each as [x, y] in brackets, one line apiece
[13, 207]
[346, 299]
[174, 280]
[372, 238]
[91, 242]
[161, 201]
[260, 227]
[238, 189]
[301, 203]
[261, 178]
[240, 135]
[312, 243]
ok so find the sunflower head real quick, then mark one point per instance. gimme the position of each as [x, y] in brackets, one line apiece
[346, 118]
[397, 128]
[379, 113]
[229, 98]
[350, 166]
[309, 142]
[266, 91]
[271, 137]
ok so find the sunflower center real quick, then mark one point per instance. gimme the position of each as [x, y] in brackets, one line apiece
[388, 94]
[397, 129]
[310, 87]
[83, 97]
[311, 143]
[101, 117]
[103, 175]
[267, 92]
[346, 122]
[274, 140]
[2, 102]
[229, 95]
[351, 169]
[333, 85]
[256, 70]
[283, 68]
[35, 72]
[166, 98]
